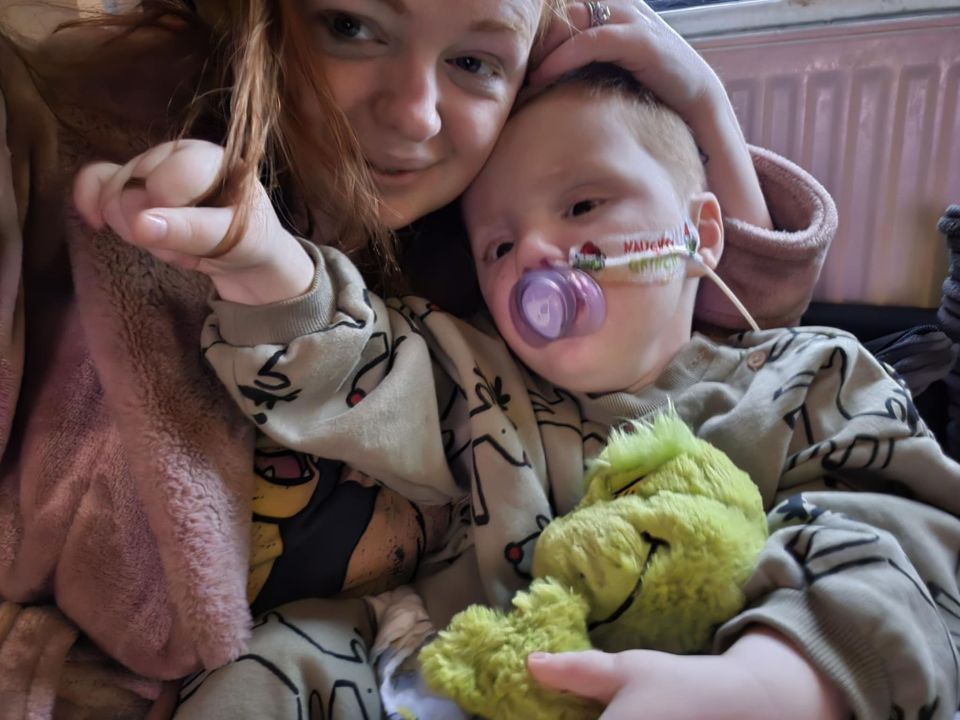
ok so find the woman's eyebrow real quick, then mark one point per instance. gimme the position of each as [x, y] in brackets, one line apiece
[488, 25]
[396, 5]
[492, 25]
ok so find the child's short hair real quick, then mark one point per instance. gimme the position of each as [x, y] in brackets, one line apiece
[659, 130]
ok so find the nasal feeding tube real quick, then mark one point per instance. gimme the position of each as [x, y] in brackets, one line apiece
[551, 303]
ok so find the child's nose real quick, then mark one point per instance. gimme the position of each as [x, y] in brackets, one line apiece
[536, 249]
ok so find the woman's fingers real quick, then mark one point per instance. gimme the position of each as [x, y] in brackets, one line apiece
[635, 38]
[559, 31]
[579, 18]
[575, 42]
[618, 44]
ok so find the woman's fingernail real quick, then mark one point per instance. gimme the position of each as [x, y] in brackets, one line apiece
[155, 226]
[538, 657]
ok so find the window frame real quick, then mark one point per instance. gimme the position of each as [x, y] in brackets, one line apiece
[745, 15]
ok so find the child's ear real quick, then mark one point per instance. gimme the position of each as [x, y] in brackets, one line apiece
[705, 213]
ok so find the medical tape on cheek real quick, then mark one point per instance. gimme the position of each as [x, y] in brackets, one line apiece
[641, 257]
[649, 258]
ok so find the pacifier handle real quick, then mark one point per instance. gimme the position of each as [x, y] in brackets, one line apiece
[548, 304]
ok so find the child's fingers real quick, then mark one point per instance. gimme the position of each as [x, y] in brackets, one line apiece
[124, 188]
[185, 175]
[173, 174]
[192, 231]
[137, 169]
[591, 674]
[87, 188]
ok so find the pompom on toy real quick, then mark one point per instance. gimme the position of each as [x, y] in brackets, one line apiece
[654, 556]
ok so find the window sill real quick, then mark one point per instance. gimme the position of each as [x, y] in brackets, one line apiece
[746, 15]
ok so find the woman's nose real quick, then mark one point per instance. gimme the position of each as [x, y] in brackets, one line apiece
[409, 100]
[536, 249]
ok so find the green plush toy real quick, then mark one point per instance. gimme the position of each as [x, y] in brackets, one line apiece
[654, 556]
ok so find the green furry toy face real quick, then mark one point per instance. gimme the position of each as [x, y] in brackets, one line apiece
[608, 561]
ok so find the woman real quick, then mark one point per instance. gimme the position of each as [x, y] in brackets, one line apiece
[126, 499]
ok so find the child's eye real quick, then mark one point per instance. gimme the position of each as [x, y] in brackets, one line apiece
[474, 66]
[499, 250]
[582, 207]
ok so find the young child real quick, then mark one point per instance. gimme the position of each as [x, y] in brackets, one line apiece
[591, 229]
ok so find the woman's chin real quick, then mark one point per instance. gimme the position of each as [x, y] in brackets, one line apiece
[400, 207]
[394, 217]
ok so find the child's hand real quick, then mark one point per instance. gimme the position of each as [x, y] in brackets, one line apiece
[761, 676]
[637, 39]
[656, 686]
[150, 202]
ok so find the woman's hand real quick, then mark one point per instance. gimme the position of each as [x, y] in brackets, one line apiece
[761, 676]
[151, 202]
[637, 39]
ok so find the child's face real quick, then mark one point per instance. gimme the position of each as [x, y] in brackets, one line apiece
[567, 170]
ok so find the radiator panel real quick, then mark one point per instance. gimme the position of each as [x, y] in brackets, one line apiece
[872, 109]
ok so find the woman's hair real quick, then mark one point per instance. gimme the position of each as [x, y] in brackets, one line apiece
[250, 59]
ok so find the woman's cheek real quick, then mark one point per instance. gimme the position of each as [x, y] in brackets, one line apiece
[349, 84]
[478, 130]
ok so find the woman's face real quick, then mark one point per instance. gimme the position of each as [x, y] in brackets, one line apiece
[426, 86]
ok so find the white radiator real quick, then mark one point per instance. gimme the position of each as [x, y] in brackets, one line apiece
[872, 109]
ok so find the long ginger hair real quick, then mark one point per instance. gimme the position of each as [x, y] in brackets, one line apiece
[248, 61]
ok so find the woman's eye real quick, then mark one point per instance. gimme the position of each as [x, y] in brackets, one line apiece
[582, 207]
[502, 249]
[474, 66]
[344, 26]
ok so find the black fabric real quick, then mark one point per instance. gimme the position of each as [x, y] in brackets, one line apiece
[949, 317]
[924, 357]
[920, 355]
[319, 541]
[925, 354]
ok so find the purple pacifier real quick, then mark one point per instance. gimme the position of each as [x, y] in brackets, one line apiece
[551, 303]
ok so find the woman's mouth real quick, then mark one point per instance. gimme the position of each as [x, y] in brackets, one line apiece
[386, 176]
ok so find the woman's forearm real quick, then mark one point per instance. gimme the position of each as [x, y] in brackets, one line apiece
[729, 167]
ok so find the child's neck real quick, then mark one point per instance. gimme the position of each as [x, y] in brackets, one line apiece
[653, 364]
